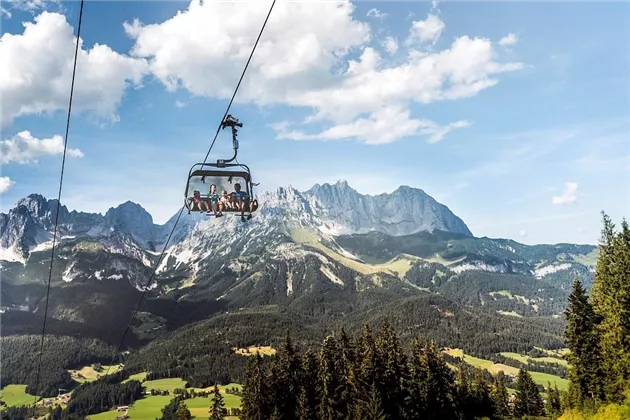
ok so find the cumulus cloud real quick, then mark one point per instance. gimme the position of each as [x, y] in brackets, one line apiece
[36, 72]
[6, 184]
[509, 39]
[385, 125]
[302, 61]
[24, 148]
[428, 30]
[523, 233]
[568, 196]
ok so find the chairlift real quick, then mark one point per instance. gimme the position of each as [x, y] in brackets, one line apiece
[227, 178]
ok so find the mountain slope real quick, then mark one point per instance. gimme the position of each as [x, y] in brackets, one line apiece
[290, 256]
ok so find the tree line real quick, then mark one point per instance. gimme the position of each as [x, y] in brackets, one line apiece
[598, 326]
[372, 377]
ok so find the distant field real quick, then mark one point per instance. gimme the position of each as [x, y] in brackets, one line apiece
[494, 368]
[168, 384]
[199, 406]
[87, 373]
[136, 376]
[149, 407]
[524, 359]
[251, 351]
[15, 395]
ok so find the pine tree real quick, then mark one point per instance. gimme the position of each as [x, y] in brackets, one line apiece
[439, 385]
[481, 393]
[217, 410]
[552, 405]
[500, 397]
[584, 356]
[417, 385]
[309, 396]
[611, 301]
[183, 413]
[395, 372]
[254, 405]
[332, 406]
[528, 399]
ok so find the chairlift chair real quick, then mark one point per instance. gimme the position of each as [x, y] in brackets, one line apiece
[224, 175]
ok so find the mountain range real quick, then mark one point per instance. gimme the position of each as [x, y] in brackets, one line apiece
[329, 254]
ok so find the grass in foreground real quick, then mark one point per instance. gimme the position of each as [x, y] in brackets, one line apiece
[15, 395]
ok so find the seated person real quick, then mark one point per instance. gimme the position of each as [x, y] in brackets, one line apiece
[213, 197]
[226, 201]
[198, 202]
[242, 201]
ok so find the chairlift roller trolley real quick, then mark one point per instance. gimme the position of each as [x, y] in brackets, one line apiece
[224, 175]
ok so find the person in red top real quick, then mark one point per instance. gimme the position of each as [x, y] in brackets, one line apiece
[198, 202]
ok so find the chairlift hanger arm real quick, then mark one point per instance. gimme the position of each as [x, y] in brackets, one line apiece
[233, 123]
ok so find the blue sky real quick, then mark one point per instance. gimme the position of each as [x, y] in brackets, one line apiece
[493, 108]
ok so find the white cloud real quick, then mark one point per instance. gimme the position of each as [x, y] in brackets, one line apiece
[569, 195]
[523, 233]
[390, 44]
[509, 39]
[580, 230]
[428, 30]
[300, 62]
[180, 104]
[24, 148]
[385, 125]
[376, 13]
[36, 72]
[5, 184]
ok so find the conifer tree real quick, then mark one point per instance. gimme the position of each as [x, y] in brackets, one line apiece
[552, 405]
[332, 405]
[463, 394]
[254, 405]
[611, 301]
[309, 395]
[393, 393]
[500, 397]
[417, 384]
[439, 385]
[481, 394]
[217, 410]
[528, 399]
[183, 413]
[584, 356]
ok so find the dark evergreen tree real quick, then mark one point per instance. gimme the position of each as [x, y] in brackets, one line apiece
[439, 384]
[584, 357]
[217, 409]
[528, 399]
[254, 405]
[553, 405]
[183, 413]
[333, 402]
[417, 386]
[309, 395]
[611, 301]
[481, 395]
[393, 393]
[500, 397]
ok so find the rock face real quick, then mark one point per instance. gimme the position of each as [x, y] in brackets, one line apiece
[334, 209]
[403, 212]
